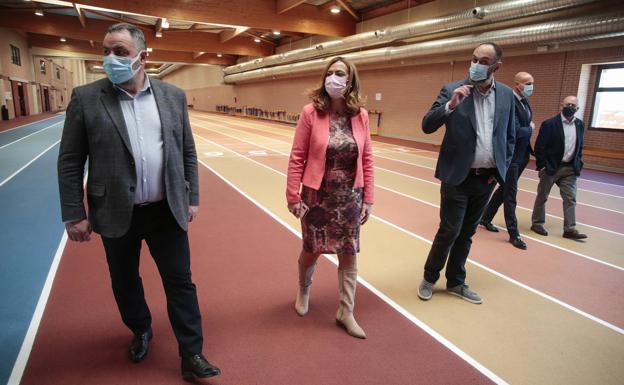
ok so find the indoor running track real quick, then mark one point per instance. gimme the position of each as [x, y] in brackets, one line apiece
[552, 314]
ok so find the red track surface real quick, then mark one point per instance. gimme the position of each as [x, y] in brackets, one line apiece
[545, 268]
[244, 265]
[591, 215]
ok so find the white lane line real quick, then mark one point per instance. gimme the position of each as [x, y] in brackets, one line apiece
[238, 121]
[31, 134]
[522, 177]
[509, 279]
[29, 339]
[27, 124]
[31, 333]
[523, 235]
[28, 164]
[426, 328]
[551, 196]
[395, 172]
[518, 206]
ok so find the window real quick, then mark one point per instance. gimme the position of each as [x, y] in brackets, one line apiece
[42, 66]
[15, 55]
[608, 111]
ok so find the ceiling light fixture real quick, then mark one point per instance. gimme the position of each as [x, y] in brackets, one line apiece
[150, 49]
[219, 55]
[276, 32]
[158, 34]
[165, 23]
[39, 12]
[257, 40]
[63, 39]
[334, 9]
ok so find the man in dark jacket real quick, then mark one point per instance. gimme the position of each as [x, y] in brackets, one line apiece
[506, 193]
[478, 113]
[142, 185]
[559, 153]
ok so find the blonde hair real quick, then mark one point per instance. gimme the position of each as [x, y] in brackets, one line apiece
[322, 101]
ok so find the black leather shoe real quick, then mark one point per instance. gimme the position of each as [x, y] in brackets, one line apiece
[518, 242]
[198, 366]
[139, 346]
[489, 226]
[539, 229]
[574, 234]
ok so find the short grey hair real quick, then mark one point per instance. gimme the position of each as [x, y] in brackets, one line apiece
[135, 32]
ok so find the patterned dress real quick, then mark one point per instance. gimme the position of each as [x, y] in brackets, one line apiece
[332, 225]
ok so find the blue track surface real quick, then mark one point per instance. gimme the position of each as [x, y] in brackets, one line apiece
[30, 231]
[18, 133]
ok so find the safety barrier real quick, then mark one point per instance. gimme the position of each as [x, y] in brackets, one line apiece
[285, 117]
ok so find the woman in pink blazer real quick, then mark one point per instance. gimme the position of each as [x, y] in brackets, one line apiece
[330, 183]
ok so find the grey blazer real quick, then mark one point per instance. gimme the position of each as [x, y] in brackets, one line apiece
[95, 130]
[460, 139]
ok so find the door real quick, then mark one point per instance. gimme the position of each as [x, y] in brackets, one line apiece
[22, 99]
[46, 99]
[16, 99]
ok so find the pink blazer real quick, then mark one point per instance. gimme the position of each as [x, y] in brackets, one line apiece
[307, 157]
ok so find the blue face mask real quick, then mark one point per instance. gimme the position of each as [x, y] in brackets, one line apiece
[479, 72]
[527, 90]
[119, 69]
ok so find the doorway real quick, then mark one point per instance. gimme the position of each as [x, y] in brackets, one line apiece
[20, 98]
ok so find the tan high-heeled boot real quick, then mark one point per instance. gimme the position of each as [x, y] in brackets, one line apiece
[347, 281]
[303, 295]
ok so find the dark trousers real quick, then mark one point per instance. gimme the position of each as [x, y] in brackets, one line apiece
[169, 247]
[506, 195]
[461, 208]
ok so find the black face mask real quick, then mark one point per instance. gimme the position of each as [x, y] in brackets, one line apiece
[568, 111]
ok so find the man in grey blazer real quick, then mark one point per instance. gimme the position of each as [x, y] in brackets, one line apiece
[478, 144]
[142, 185]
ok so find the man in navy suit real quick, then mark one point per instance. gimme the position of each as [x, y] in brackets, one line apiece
[506, 193]
[476, 150]
[558, 154]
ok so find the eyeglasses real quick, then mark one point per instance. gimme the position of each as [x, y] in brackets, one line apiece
[570, 105]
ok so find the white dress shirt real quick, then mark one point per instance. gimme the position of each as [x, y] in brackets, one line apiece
[142, 119]
[484, 105]
[569, 133]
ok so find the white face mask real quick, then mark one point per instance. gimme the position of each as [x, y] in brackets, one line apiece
[335, 86]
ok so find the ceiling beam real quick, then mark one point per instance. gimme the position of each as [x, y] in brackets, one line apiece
[344, 5]
[231, 33]
[192, 41]
[83, 47]
[143, 26]
[282, 6]
[305, 18]
[261, 38]
[81, 15]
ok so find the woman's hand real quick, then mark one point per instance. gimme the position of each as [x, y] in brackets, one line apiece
[295, 209]
[367, 208]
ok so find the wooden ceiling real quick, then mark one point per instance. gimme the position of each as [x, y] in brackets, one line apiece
[190, 31]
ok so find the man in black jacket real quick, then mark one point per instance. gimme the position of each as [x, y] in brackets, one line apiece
[478, 113]
[558, 153]
[506, 193]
